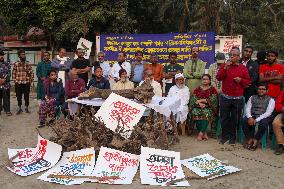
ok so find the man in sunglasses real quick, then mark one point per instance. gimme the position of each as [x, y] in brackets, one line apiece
[258, 111]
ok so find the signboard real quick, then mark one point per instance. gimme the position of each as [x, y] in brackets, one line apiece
[115, 167]
[86, 46]
[120, 114]
[158, 167]
[75, 163]
[162, 44]
[207, 166]
[34, 160]
[226, 44]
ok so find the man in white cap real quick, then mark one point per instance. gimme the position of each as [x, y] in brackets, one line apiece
[181, 91]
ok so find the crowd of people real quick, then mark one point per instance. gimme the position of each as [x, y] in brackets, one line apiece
[235, 89]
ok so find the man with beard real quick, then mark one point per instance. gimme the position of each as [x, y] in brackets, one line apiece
[81, 65]
[170, 70]
[235, 79]
[99, 81]
[156, 68]
[181, 91]
[252, 67]
[103, 64]
[23, 76]
[124, 82]
[272, 73]
[149, 76]
[5, 72]
[193, 70]
[62, 64]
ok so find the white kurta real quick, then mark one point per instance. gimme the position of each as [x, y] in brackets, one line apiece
[116, 67]
[157, 88]
[184, 95]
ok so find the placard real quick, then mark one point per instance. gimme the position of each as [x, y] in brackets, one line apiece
[86, 46]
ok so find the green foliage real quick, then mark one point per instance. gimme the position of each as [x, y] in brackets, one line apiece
[261, 22]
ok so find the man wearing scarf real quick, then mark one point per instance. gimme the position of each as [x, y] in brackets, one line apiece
[62, 64]
[181, 91]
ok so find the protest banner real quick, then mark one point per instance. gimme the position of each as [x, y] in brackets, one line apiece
[86, 46]
[158, 167]
[75, 163]
[162, 44]
[207, 166]
[120, 114]
[227, 43]
[115, 167]
[33, 160]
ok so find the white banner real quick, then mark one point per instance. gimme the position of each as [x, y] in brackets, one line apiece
[207, 166]
[34, 160]
[86, 46]
[158, 167]
[120, 114]
[115, 167]
[75, 163]
[226, 44]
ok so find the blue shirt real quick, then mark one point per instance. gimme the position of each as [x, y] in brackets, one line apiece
[138, 72]
[102, 84]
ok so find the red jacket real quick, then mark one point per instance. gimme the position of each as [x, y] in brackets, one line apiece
[229, 86]
[279, 102]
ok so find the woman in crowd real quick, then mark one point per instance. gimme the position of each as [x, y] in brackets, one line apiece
[54, 97]
[124, 82]
[203, 106]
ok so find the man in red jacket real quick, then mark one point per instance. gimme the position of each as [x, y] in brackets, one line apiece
[278, 123]
[235, 78]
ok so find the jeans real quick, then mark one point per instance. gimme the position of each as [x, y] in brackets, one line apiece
[250, 130]
[230, 115]
[5, 100]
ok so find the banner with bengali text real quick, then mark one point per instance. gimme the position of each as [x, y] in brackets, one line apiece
[162, 44]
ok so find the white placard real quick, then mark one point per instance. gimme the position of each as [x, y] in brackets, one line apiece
[86, 46]
[158, 167]
[226, 44]
[115, 167]
[117, 110]
[206, 165]
[74, 163]
[34, 160]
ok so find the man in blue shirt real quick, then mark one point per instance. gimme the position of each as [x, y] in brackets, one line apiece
[99, 81]
[137, 68]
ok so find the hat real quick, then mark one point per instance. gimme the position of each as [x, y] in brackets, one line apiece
[220, 57]
[2, 53]
[179, 75]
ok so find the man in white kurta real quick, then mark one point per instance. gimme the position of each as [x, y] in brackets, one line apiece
[148, 75]
[181, 91]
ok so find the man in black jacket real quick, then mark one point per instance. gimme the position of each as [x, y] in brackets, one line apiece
[252, 67]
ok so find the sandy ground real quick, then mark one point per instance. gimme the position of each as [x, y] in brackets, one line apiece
[19, 132]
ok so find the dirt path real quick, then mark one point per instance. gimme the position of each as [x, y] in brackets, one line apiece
[19, 132]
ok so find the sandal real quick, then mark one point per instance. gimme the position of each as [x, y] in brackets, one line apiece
[253, 147]
[9, 113]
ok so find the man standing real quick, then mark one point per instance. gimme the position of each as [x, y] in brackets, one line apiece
[193, 70]
[213, 70]
[272, 73]
[120, 64]
[170, 70]
[5, 72]
[258, 110]
[252, 67]
[156, 68]
[42, 70]
[23, 76]
[137, 69]
[81, 65]
[235, 79]
[62, 64]
[103, 64]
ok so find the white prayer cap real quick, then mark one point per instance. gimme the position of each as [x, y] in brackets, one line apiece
[179, 75]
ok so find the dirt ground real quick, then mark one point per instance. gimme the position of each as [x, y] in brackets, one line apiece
[258, 171]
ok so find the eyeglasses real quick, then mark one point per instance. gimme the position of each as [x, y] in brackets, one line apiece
[263, 89]
[248, 51]
[230, 54]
